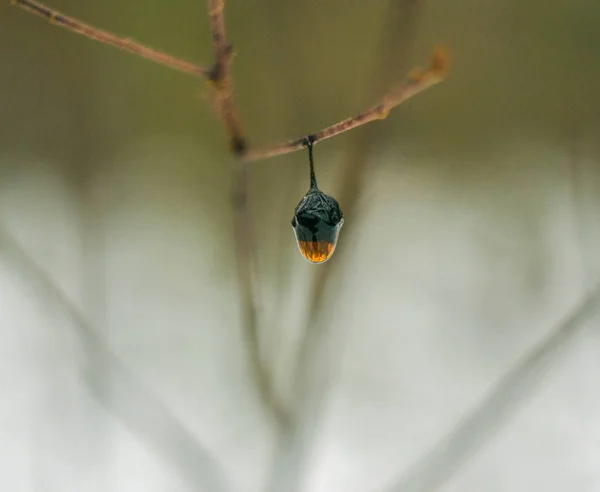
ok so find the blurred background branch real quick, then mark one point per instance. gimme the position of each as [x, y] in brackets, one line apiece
[478, 428]
[243, 226]
[129, 400]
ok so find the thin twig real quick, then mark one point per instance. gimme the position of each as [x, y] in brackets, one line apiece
[417, 81]
[220, 76]
[104, 37]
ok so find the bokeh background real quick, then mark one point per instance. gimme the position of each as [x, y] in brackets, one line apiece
[451, 343]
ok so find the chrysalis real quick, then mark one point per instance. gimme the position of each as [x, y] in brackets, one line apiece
[317, 220]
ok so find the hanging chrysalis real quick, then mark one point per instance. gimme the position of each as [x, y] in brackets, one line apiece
[317, 219]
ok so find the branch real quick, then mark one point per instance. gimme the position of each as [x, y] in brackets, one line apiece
[124, 44]
[515, 388]
[138, 408]
[417, 81]
[220, 78]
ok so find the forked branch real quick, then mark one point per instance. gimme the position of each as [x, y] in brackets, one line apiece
[220, 78]
[104, 37]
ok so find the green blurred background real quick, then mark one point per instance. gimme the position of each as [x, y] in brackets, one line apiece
[471, 228]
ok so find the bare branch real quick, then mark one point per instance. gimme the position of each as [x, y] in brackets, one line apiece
[220, 76]
[124, 44]
[475, 430]
[417, 81]
[137, 407]
[245, 258]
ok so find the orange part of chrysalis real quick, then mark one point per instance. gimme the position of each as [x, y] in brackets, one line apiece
[316, 251]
